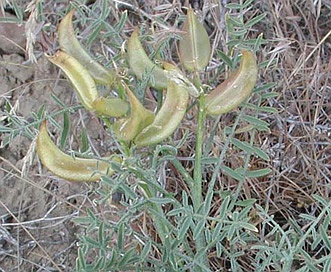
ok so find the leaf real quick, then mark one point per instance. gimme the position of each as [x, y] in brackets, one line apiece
[120, 236]
[247, 3]
[84, 140]
[81, 260]
[129, 257]
[255, 20]
[320, 199]
[65, 129]
[224, 208]
[198, 228]
[266, 87]
[194, 47]
[184, 228]
[232, 173]
[250, 149]
[247, 226]
[225, 58]
[146, 250]
[258, 173]
[161, 201]
[176, 212]
[307, 217]
[325, 237]
[255, 121]
[216, 232]
[233, 6]
[262, 154]
[246, 203]
[243, 146]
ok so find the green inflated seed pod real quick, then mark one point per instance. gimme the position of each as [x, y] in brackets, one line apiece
[80, 78]
[70, 44]
[142, 66]
[168, 118]
[235, 89]
[86, 88]
[110, 107]
[140, 117]
[194, 47]
[67, 167]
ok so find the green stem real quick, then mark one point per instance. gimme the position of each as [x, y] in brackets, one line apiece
[197, 174]
[184, 173]
[161, 229]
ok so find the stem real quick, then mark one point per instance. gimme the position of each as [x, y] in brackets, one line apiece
[197, 174]
[161, 229]
[184, 173]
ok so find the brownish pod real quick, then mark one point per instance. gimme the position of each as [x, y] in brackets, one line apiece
[235, 89]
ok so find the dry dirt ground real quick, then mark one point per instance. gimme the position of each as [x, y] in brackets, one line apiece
[36, 208]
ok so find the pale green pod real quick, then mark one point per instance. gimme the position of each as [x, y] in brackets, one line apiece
[67, 167]
[168, 118]
[194, 47]
[110, 107]
[142, 66]
[70, 44]
[235, 89]
[78, 76]
[140, 117]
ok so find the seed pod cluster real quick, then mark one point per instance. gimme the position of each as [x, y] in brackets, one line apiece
[133, 123]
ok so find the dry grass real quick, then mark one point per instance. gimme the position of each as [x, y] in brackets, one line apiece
[300, 138]
[298, 57]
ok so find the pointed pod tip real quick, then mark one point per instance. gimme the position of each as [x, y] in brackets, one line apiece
[67, 167]
[135, 33]
[190, 10]
[43, 125]
[66, 21]
[57, 56]
[246, 52]
[70, 14]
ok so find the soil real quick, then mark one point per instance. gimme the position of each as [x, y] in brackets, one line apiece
[36, 231]
[36, 208]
